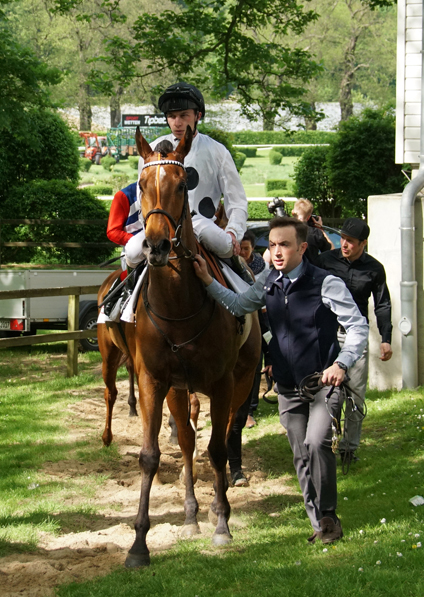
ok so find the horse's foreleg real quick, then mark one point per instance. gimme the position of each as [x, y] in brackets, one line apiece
[151, 402]
[178, 406]
[220, 411]
[131, 397]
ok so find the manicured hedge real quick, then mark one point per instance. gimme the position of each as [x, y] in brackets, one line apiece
[133, 162]
[275, 183]
[258, 210]
[275, 157]
[85, 164]
[264, 137]
[239, 160]
[100, 189]
[249, 152]
[291, 151]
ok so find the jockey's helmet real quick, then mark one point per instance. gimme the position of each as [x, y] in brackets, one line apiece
[181, 96]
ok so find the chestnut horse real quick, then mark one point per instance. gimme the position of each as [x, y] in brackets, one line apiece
[182, 341]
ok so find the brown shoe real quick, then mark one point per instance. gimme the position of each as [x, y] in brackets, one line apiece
[250, 422]
[316, 535]
[331, 531]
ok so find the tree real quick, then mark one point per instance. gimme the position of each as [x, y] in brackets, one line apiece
[361, 160]
[344, 40]
[224, 47]
[25, 79]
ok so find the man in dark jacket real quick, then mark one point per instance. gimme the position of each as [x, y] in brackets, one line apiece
[364, 276]
[305, 306]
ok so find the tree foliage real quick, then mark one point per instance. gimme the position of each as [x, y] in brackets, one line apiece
[361, 160]
[224, 47]
[25, 79]
[53, 199]
[46, 151]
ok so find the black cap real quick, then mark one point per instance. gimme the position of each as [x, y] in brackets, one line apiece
[356, 228]
[181, 96]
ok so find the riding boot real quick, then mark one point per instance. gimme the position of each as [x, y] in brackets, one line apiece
[110, 302]
[130, 281]
[239, 268]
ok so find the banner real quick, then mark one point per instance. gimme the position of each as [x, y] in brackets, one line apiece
[144, 120]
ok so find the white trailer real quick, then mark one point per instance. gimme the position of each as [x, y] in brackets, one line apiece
[27, 315]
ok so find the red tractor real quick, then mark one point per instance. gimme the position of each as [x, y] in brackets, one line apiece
[95, 146]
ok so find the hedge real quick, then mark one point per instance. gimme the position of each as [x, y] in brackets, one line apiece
[108, 162]
[258, 210]
[85, 164]
[275, 183]
[133, 162]
[283, 137]
[275, 157]
[100, 189]
[249, 152]
[239, 160]
[297, 151]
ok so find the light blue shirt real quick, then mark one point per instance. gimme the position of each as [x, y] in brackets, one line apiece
[334, 294]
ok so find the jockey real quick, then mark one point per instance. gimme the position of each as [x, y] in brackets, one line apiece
[211, 174]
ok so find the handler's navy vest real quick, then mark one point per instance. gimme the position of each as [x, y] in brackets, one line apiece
[133, 225]
[304, 330]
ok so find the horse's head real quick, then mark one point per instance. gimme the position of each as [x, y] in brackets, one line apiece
[164, 204]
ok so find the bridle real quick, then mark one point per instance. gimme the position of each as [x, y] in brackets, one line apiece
[177, 226]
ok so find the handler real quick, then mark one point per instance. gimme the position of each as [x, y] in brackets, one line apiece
[363, 275]
[305, 305]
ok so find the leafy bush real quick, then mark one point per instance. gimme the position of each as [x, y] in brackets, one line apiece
[280, 193]
[85, 164]
[108, 163]
[48, 151]
[119, 181]
[283, 137]
[100, 189]
[258, 210]
[361, 160]
[51, 200]
[249, 152]
[275, 183]
[296, 151]
[239, 160]
[312, 182]
[133, 162]
[275, 157]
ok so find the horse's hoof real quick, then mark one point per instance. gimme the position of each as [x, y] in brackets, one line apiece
[137, 560]
[221, 539]
[173, 439]
[133, 413]
[107, 439]
[212, 517]
[189, 530]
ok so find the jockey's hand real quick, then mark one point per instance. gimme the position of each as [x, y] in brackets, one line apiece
[236, 244]
[201, 270]
[333, 376]
[268, 370]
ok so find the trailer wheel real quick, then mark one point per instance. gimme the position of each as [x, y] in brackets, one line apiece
[97, 159]
[89, 322]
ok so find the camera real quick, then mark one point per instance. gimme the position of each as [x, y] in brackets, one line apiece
[277, 207]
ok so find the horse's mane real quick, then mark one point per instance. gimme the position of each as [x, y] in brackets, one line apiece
[164, 147]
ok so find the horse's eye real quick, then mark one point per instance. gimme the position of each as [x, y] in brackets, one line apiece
[182, 186]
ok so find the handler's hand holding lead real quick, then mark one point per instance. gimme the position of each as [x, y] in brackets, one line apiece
[333, 376]
[201, 270]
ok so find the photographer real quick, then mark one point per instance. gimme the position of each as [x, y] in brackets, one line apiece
[318, 241]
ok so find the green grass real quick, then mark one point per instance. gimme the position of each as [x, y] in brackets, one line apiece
[269, 554]
[253, 174]
[34, 424]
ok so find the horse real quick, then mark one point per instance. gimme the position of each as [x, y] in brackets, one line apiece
[182, 342]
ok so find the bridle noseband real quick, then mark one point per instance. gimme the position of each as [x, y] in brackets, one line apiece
[177, 226]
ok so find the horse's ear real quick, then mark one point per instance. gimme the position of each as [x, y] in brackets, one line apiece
[143, 147]
[184, 145]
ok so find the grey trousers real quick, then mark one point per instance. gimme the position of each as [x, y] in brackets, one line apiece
[358, 382]
[309, 433]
